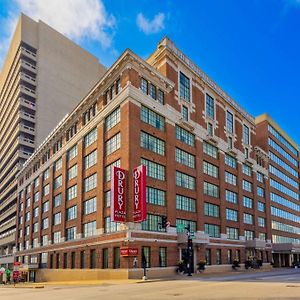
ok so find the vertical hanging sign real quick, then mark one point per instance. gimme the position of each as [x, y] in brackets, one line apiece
[118, 195]
[139, 194]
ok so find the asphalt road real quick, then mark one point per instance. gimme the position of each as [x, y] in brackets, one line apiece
[281, 284]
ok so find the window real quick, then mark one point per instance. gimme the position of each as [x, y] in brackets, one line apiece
[36, 182]
[57, 165]
[210, 169]
[44, 240]
[146, 256]
[212, 230]
[36, 196]
[211, 190]
[90, 138]
[72, 192]
[185, 136]
[72, 213]
[28, 202]
[27, 216]
[184, 158]
[57, 218]
[153, 169]
[89, 229]
[211, 210]
[152, 91]
[72, 152]
[152, 223]
[46, 190]
[45, 206]
[35, 227]
[56, 237]
[116, 256]
[230, 161]
[90, 182]
[231, 215]
[260, 192]
[230, 142]
[89, 114]
[260, 177]
[144, 86]
[185, 113]
[161, 97]
[71, 132]
[184, 88]
[46, 174]
[185, 181]
[208, 256]
[232, 233]
[185, 203]
[283, 176]
[113, 144]
[107, 170]
[261, 222]
[152, 143]
[247, 186]
[72, 172]
[105, 258]
[210, 150]
[262, 236]
[90, 206]
[110, 226]
[231, 197]
[247, 170]
[282, 188]
[261, 206]
[278, 199]
[113, 119]
[71, 233]
[181, 224]
[248, 219]
[107, 198]
[57, 182]
[283, 164]
[230, 178]
[155, 196]
[45, 223]
[247, 202]
[90, 160]
[246, 135]
[218, 257]
[210, 129]
[229, 122]
[93, 259]
[162, 257]
[210, 107]
[249, 235]
[152, 118]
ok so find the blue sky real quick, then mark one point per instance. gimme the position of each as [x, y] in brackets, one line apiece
[250, 48]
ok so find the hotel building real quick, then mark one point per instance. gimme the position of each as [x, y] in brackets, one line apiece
[283, 155]
[204, 169]
[42, 78]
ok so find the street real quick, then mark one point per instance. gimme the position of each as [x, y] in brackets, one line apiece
[279, 284]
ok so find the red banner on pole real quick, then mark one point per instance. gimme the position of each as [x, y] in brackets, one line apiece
[139, 194]
[118, 195]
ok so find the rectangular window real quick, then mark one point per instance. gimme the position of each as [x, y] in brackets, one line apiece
[261, 206]
[248, 219]
[246, 135]
[211, 190]
[144, 86]
[247, 186]
[210, 150]
[210, 107]
[231, 215]
[46, 190]
[72, 192]
[249, 235]
[232, 233]
[184, 158]
[56, 237]
[185, 113]
[152, 143]
[231, 197]
[247, 170]
[116, 256]
[107, 198]
[211, 210]
[90, 138]
[72, 152]
[105, 258]
[90, 182]
[260, 177]
[155, 196]
[160, 97]
[146, 254]
[152, 118]
[185, 136]
[154, 170]
[36, 196]
[107, 170]
[57, 182]
[45, 223]
[185, 203]
[45, 206]
[89, 229]
[261, 222]
[162, 257]
[110, 226]
[112, 119]
[247, 202]
[72, 172]
[90, 160]
[71, 233]
[152, 91]
[93, 259]
[90, 206]
[57, 165]
[152, 223]
[185, 181]
[210, 169]
[46, 175]
[113, 144]
[260, 192]
[57, 218]
[72, 213]
[184, 88]
[229, 122]
[230, 161]
[212, 230]
[230, 178]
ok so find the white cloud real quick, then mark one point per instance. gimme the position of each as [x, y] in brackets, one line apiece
[151, 26]
[76, 19]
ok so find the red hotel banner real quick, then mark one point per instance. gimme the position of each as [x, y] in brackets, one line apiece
[118, 195]
[139, 194]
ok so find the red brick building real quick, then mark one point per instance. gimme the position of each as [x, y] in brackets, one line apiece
[204, 167]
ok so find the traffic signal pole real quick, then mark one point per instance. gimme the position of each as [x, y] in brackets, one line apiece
[189, 250]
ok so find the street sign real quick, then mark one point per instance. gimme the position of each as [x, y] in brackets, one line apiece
[180, 227]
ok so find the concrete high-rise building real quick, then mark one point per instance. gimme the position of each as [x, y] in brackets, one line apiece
[43, 77]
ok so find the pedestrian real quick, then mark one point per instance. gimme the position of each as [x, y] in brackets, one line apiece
[135, 263]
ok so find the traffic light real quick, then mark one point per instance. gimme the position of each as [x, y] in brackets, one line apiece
[164, 221]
